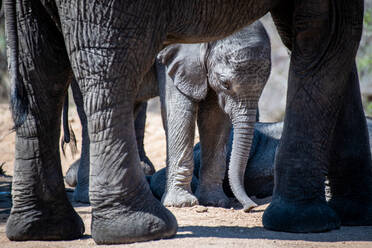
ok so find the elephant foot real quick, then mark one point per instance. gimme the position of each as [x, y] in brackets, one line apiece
[147, 168]
[215, 198]
[145, 219]
[301, 217]
[71, 174]
[81, 194]
[51, 221]
[179, 198]
[353, 211]
[350, 183]
[146, 165]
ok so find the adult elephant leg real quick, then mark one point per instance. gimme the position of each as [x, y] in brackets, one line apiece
[139, 126]
[350, 171]
[41, 210]
[180, 132]
[326, 38]
[81, 192]
[110, 49]
[214, 130]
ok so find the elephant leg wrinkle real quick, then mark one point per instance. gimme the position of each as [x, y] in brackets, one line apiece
[143, 219]
[180, 141]
[123, 207]
[298, 203]
[41, 210]
[297, 217]
[350, 172]
[314, 146]
[213, 152]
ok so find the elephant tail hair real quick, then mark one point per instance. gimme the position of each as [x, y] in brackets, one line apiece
[68, 133]
[18, 95]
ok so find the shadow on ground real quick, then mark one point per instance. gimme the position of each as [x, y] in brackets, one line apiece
[360, 233]
[229, 232]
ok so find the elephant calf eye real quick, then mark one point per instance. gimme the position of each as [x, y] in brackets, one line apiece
[226, 85]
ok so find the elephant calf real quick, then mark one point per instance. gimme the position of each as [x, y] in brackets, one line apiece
[215, 84]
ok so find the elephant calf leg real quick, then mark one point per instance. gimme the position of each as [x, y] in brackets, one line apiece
[350, 171]
[214, 130]
[180, 132]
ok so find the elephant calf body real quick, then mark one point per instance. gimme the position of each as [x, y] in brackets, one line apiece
[215, 84]
[211, 81]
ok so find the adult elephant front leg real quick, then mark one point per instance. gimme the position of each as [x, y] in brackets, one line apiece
[326, 36]
[139, 125]
[41, 210]
[108, 62]
[350, 171]
[78, 174]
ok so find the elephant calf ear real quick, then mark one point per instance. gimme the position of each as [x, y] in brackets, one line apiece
[183, 64]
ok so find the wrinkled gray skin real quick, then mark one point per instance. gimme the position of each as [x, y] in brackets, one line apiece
[214, 84]
[242, 64]
[110, 45]
[259, 173]
[78, 173]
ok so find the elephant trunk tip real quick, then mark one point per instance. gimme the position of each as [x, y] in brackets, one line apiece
[248, 206]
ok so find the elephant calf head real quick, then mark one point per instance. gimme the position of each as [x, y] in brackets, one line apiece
[239, 67]
[236, 68]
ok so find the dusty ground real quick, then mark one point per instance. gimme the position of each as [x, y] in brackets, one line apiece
[198, 226]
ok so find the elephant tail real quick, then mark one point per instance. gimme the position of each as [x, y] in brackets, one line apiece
[68, 133]
[18, 95]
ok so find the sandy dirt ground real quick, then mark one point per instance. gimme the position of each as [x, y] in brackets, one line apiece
[198, 226]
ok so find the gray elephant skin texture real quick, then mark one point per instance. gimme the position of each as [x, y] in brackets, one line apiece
[259, 173]
[109, 46]
[78, 173]
[201, 80]
[214, 84]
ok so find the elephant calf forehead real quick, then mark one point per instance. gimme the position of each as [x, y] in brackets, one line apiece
[244, 66]
[254, 72]
[247, 42]
[249, 59]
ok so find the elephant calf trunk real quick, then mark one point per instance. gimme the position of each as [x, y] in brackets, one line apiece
[242, 141]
